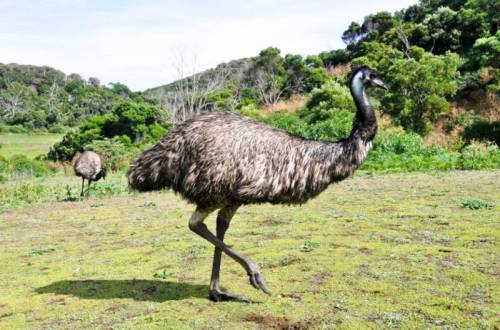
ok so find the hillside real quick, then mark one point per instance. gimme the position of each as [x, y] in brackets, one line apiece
[43, 98]
[234, 70]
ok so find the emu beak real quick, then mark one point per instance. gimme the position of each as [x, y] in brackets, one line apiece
[379, 83]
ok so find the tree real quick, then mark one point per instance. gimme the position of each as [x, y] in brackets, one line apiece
[352, 34]
[93, 81]
[273, 77]
[193, 92]
[438, 32]
[473, 24]
[374, 26]
[335, 57]
[15, 101]
[485, 53]
[419, 88]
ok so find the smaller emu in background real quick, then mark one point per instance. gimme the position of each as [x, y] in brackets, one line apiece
[89, 166]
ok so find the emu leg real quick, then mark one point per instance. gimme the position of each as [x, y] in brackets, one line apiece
[223, 220]
[196, 225]
[83, 185]
[88, 188]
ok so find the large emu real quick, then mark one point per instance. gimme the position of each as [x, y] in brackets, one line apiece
[222, 160]
[89, 166]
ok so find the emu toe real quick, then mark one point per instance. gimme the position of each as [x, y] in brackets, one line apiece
[258, 282]
[217, 296]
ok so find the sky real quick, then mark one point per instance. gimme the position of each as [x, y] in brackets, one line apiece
[148, 43]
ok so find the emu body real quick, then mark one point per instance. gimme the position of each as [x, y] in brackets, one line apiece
[223, 160]
[88, 165]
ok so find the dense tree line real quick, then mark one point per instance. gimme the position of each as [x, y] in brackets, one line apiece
[46, 99]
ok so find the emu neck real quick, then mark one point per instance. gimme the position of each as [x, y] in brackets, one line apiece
[345, 156]
[365, 122]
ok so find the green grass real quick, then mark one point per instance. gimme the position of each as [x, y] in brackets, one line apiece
[387, 251]
[30, 145]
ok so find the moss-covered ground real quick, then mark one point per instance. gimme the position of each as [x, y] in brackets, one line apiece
[403, 250]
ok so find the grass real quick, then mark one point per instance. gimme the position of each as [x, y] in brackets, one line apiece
[30, 145]
[388, 251]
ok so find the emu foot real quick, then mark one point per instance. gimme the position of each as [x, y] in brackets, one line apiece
[256, 279]
[217, 296]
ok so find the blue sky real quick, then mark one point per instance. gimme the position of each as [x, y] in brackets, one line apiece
[140, 43]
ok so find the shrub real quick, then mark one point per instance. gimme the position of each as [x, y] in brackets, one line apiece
[58, 128]
[20, 165]
[328, 102]
[129, 122]
[13, 129]
[477, 204]
[67, 148]
[478, 156]
[482, 130]
[117, 152]
[400, 152]
[250, 110]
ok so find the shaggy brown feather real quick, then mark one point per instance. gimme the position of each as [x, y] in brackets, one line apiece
[88, 165]
[222, 158]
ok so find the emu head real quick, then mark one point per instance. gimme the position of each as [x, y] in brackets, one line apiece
[369, 77]
[101, 174]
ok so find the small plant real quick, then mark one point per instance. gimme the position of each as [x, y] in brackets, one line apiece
[308, 246]
[477, 204]
[148, 204]
[393, 319]
[69, 196]
[108, 189]
[163, 274]
[401, 240]
[41, 251]
[340, 303]
[194, 249]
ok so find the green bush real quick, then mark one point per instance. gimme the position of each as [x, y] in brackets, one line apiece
[22, 166]
[477, 204]
[58, 128]
[482, 130]
[116, 152]
[330, 101]
[66, 148]
[478, 156]
[250, 110]
[13, 129]
[130, 124]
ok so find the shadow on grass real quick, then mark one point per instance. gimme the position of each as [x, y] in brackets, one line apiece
[141, 290]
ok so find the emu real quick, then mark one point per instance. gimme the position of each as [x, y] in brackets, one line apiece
[221, 160]
[89, 166]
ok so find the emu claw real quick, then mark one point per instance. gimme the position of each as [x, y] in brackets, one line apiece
[258, 282]
[217, 296]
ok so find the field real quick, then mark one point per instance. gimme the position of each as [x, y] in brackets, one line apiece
[30, 145]
[402, 250]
